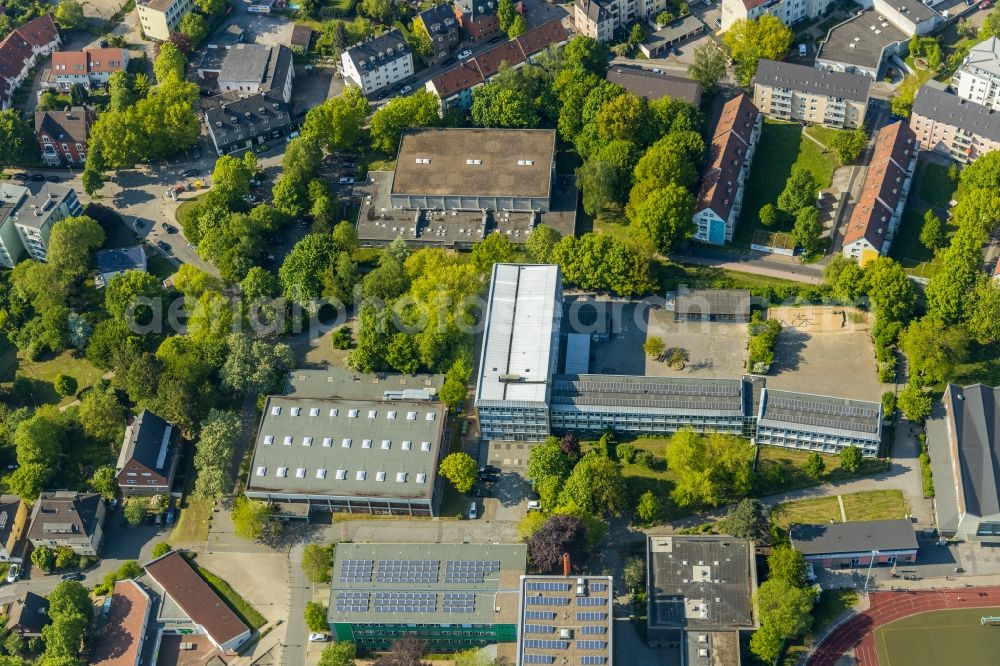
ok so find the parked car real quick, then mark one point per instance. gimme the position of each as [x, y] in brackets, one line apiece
[169, 228]
[345, 181]
[465, 54]
[37, 177]
[171, 515]
[52, 178]
[317, 637]
[190, 173]
[13, 573]
[489, 469]
[139, 223]
[803, 50]
[405, 90]
[73, 575]
[261, 148]
[163, 246]
[293, 135]
[473, 510]
[534, 505]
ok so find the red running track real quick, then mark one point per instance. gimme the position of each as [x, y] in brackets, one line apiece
[857, 632]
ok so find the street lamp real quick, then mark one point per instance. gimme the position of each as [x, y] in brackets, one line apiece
[870, 563]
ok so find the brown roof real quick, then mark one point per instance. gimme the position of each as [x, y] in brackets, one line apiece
[489, 61]
[122, 635]
[541, 37]
[59, 514]
[460, 78]
[726, 154]
[301, 35]
[39, 32]
[17, 48]
[450, 152]
[196, 598]
[69, 62]
[70, 125]
[882, 190]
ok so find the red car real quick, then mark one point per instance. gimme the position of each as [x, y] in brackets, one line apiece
[986, 4]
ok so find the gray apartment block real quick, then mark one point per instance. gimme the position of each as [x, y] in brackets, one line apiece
[818, 423]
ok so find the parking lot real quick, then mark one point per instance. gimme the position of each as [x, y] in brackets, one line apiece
[826, 351]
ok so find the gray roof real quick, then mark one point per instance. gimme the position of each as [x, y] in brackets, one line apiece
[11, 196]
[730, 302]
[943, 107]
[861, 40]
[477, 9]
[550, 604]
[347, 448]
[470, 580]
[655, 85]
[676, 30]
[384, 48]
[816, 413]
[973, 412]
[521, 319]
[595, 10]
[30, 613]
[61, 512]
[36, 209]
[232, 114]
[914, 10]
[119, 259]
[347, 384]
[855, 537]
[257, 63]
[439, 18]
[813, 81]
[945, 488]
[577, 360]
[150, 441]
[984, 58]
[701, 582]
[670, 395]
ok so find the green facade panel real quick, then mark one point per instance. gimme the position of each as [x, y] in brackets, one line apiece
[438, 638]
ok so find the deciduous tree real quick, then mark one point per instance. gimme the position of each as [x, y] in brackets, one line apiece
[848, 144]
[746, 520]
[559, 534]
[419, 109]
[709, 66]
[915, 403]
[751, 40]
[850, 459]
[214, 452]
[252, 518]
[460, 469]
[317, 561]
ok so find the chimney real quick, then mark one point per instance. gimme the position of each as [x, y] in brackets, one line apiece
[565, 563]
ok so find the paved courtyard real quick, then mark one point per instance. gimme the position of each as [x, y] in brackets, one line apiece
[715, 350]
[825, 350]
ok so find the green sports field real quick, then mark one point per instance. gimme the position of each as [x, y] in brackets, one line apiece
[940, 637]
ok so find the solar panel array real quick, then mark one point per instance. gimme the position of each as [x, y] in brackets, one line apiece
[590, 615]
[459, 602]
[405, 602]
[538, 658]
[538, 629]
[539, 615]
[546, 644]
[592, 601]
[599, 587]
[547, 586]
[352, 602]
[547, 601]
[591, 645]
[593, 659]
[356, 571]
[469, 571]
[822, 407]
[408, 571]
[650, 388]
[591, 629]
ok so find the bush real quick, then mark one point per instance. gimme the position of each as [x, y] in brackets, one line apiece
[44, 558]
[626, 453]
[647, 459]
[888, 403]
[160, 549]
[65, 384]
[316, 616]
[66, 558]
[925, 472]
[342, 338]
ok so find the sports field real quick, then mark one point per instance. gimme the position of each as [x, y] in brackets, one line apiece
[940, 637]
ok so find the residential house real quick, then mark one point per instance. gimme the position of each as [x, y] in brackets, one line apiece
[442, 27]
[195, 607]
[149, 455]
[953, 126]
[602, 19]
[13, 521]
[787, 91]
[857, 543]
[27, 215]
[254, 69]
[19, 51]
[62, 135]
[652, 85]
[879, 209]
[478, 18]
[88, 68]
[68, 518]
[377, 63]
[730, 153]
[787, 11]
[122, 627]
[978, 79]
[963, 440]
[28, 615]
[159, 18]
[236, 124]
[118, 260]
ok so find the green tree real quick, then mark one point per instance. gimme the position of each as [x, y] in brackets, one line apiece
[649, 507]
[455, 382]
[849, 144]
[460, 469]
[746, 520]
[505, 14]
[665, 217]
[258, 284]
[29, 480]
[518, 27]
[133, 294]
[497, 106]
[932, 234]
[254, 366]
[751, 40]
[890, 289]
[135, 510]
[421, 39]
[807, 229]
[160, 549]
[379, 10]
[17, 141]
[934, 349]
[71, 246]
[634, 575]
[214, 452]
[317, 561]
[786, 563]
[850, 459]
[495, 248]
[800, 191]
[104, 482]
[102, 416]
[541, 243]
[666, 162]
[814, 466]
[387, 124]
[65, 384]
[69, 14]
[338, 123]
[709, 468]
[596, 485]
[654, 346]
[768, 214]
[983, 313]
[169, 62]
[44, 558]
[709, 66]
[341, 653]
[316, 617]
[785, 612]
[915, 404]
[252, 518]
[547, 460]
[194, 27]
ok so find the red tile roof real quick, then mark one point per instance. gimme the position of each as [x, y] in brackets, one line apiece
[91, 60]
[121, 637]
[726, 154]
[196, 598]
[460, 78]
[18, 48]
[895, 146]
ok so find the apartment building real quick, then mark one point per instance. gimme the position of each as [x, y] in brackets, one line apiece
[19, 51]
[378, 63]
[88, 68]
[149, 456]
[159, 18]
[442, 27]
[236, 124]
[68, 518]
[255, 69]
[952, 126]
[478, 18]
[13, 522]
[26, 218]
[720, 199]
[600, 19]
[978, 79]
[787, 11]
[879, 209]
[62, 135]
[786, 91]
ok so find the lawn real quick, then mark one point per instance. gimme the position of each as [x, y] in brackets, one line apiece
[192, 525]
[159, 266]
[875, 505]
[669, 275]
[813, 511]
[824, 135]
[781, 469]
[781, 146]
[250, 615]
[938, 637]
[43, 373]
[933, 185]
[186, 209]
[869, 505]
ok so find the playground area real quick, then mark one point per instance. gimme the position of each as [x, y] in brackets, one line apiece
[939, 637]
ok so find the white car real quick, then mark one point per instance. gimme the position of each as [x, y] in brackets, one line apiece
[803, 50]
[13, 573]
[345, 181]
[465, 54]
[319, 637]
[405, 90]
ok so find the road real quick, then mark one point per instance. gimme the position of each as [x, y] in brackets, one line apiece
[756, 263]
[293, 652]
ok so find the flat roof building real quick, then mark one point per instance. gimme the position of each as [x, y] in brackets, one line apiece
[653, 85]
[346, 384]
[659, 43]
[519, 353]
[354, 456]
[452, 595]
[565, 620]
[159, 18]
[699, 585]
[709, 304]
[474, 169]
[963, 440]
[851, 544]
[819, 423]
[861, 45]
